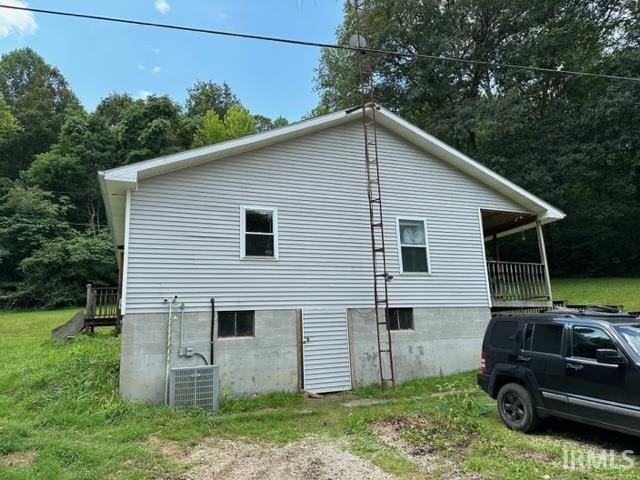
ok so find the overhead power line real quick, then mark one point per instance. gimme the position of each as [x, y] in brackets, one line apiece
[308, 43]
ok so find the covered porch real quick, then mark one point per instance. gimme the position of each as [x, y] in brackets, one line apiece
[515, 284]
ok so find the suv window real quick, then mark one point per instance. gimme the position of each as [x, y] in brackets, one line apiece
[587, 340]
[543, 338]
[503, 334]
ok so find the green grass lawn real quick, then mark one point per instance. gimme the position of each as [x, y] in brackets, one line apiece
[618, 291]
[61, 417]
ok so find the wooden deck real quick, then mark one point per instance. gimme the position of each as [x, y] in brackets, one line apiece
[518, 285]
[103, 307]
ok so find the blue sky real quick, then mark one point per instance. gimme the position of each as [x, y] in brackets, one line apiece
[98, 58]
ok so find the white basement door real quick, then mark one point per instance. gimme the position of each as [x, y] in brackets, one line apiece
[325, 350]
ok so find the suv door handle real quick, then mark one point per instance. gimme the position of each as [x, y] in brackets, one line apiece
[523, 359]
[574, 366]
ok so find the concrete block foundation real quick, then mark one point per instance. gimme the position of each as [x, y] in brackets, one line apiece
[443, 341]
[265, 362]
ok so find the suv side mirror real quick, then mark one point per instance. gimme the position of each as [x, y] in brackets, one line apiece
[610, 357]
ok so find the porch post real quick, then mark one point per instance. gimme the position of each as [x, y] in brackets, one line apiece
[89, 302]
[543, 258]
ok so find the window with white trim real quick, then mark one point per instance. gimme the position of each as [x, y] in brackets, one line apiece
[259, 233]
[413, 249]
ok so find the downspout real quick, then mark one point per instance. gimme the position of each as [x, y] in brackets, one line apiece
[213, 320]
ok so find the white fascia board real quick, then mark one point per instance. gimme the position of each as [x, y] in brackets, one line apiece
[456, 158]
[113, 196]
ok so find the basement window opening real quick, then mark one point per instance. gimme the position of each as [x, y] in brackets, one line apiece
[236, 324]
[401, 319]
[259, 232]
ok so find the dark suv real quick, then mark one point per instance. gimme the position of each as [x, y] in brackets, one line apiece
[583, 366]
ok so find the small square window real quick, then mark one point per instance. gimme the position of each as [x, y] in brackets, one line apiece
[259, 232]
[401, 319]
[236, 324]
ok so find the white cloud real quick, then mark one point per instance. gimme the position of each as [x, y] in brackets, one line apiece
[16, 21]
[143, 94]
[155, 50]
[155, 69]
[162, 6]
[223, 16]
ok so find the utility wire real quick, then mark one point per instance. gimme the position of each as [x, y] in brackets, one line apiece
[307, 43]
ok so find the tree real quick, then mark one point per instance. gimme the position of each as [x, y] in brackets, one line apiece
[152, 127]
[87, 258]
[29, 217]
[52, 171]
[205, 96]
[9, 126]
[265, 123]
[236, 123]
[39, 98]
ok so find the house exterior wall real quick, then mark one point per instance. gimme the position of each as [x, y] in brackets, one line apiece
[184, 231]
[183, 239]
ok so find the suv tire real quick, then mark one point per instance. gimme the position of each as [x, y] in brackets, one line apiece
[516, 408]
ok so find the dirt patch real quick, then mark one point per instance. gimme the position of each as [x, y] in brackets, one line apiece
[239, 459]
[175, 451]
[18, 459]
[432, 458]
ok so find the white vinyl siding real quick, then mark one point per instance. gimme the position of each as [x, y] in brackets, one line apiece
[185, 228]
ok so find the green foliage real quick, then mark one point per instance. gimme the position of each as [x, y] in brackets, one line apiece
[29, 217]
[237, 122]
[51, 171]
[9, 126]
[84, 257]
[265, 123]
[39, 98]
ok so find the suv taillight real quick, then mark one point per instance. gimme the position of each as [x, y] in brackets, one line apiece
[483, 363]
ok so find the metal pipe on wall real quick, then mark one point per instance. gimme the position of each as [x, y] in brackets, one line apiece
[213, 321]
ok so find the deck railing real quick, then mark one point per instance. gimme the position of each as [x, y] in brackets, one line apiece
[102, 302]
[517, 281]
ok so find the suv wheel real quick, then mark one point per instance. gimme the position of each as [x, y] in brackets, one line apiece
[516, 408]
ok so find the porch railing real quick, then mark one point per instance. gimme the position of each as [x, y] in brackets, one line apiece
[102, 303]
[517, 281]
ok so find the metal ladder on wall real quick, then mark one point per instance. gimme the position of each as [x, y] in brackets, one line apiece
[381, 276]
